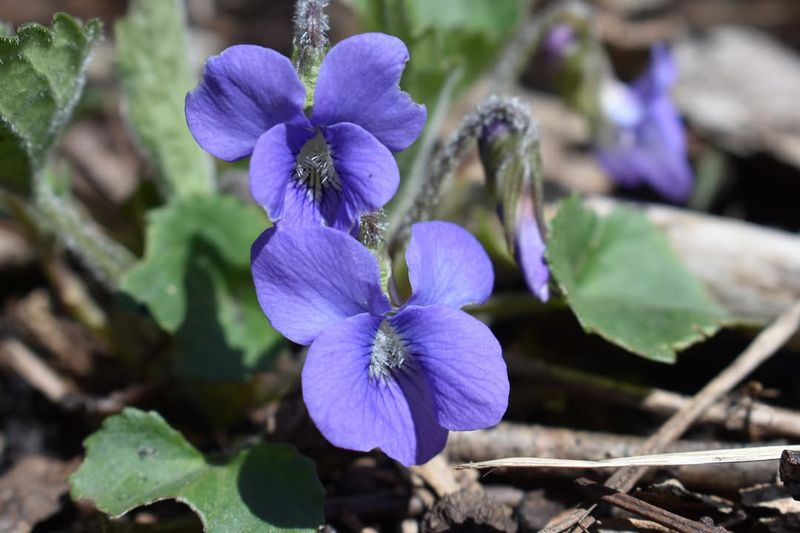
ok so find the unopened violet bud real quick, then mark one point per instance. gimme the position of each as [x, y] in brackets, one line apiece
[509, 149]
[642, 140]
[372, 234]
[559, 41]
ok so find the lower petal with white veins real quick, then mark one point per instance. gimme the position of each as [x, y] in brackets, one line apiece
[359, 410]
[462, 361]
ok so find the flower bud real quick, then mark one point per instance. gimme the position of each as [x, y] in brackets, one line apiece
[509, 151]
[559, 41]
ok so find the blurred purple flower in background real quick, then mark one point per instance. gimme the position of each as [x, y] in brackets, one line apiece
[330, 167]
[647, 142]
[559, 40]
[378, 376]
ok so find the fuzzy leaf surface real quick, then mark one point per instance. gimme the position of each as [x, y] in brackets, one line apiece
[152, 56]
[42, 73]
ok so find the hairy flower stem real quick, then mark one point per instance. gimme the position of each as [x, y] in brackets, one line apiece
[104, 257]
[310, 42]
[372, 234]
[494, 109]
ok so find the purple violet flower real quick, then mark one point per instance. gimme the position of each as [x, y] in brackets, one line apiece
[559, 41]
[375, 375]
[330, 167]
[648, 143]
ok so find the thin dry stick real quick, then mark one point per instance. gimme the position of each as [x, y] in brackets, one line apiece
[60, 389]
[31, 368]
[757, 417]
[601, 493]
[693, 458]
[761, 349]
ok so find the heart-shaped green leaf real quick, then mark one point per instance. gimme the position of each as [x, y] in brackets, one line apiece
[624, 283]
[136, 459]
[195, 279]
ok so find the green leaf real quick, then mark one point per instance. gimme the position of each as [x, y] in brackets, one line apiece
[152, 56]
[41, 80]
[488, 17]
[195, 279]
[136, 459]
[624, 283]
[442, 36]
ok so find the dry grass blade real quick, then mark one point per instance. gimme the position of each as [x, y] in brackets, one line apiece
[734, 455]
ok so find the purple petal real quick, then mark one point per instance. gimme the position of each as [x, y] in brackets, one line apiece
[357, 412]
[530, 249]
[664, 137]
[359, 82]
[659, 76]
[271, 167]
[303, 207]
[308, 279]
[462, 361]
[621, 106]
[367, 170]
[559, 40]
[654, 153]
[244, 91]
[447, 265]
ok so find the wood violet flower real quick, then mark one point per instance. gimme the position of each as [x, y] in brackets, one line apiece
[329, 167]
[647, 142]
[377, 376]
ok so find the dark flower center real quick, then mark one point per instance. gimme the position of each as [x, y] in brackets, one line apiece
[388, 352]
[314, 170]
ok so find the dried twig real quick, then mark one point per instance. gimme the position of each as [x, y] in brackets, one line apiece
[761, 349]
[601, 493]
[509, 439]
[755, 417]
[33, 370]
[60, 389]
[699, 457]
